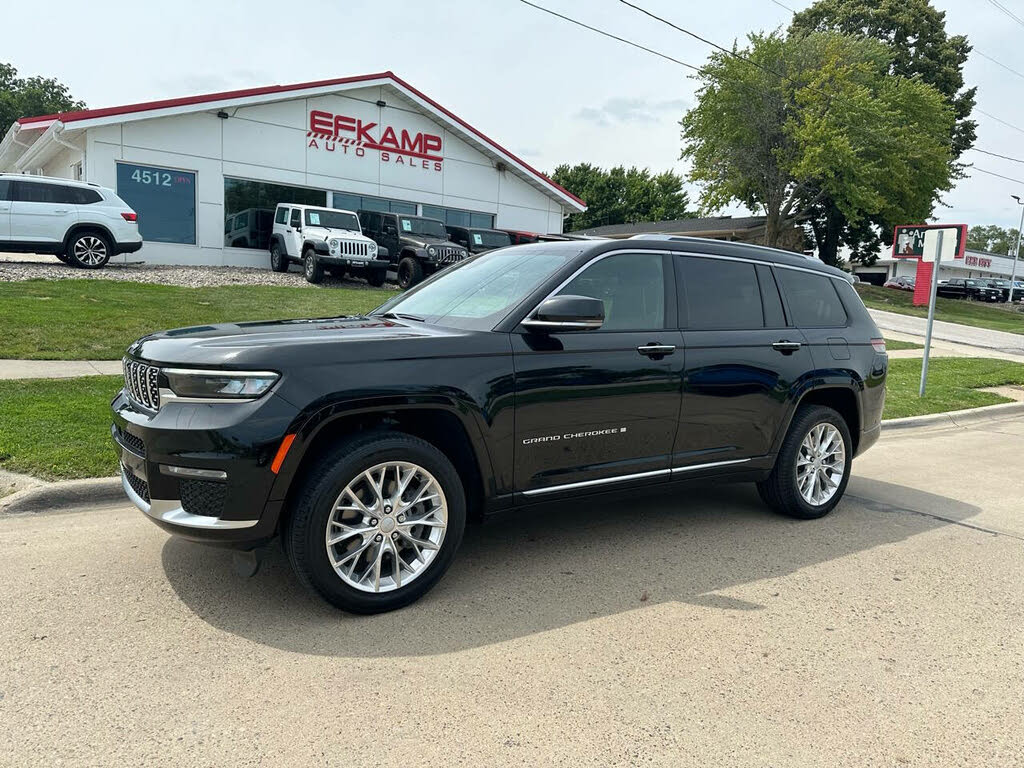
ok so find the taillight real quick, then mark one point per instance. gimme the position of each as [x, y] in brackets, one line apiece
[879, 345]
[128, 216]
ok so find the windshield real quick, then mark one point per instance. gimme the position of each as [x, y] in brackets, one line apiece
[489, 239]
[971, 282]
[322, 217]
[414, 225]
[477, 293]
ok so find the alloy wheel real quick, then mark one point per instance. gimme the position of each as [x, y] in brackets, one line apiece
[386, 527]
[820, 464]
[90, 250]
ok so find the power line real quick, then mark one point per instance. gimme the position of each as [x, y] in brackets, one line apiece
[999, 64]
[783, 6]
[609, 34]
[999, 175]
[1000, 120]
[1007, 11]
[996, 154]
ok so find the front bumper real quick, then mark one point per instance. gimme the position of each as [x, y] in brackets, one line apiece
[352, 262]
[228, 499]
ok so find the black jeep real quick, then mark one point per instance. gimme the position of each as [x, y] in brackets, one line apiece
[418, 246]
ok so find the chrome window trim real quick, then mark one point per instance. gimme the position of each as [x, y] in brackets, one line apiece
[634, 476]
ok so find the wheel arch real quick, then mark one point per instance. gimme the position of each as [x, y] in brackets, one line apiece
[318, 246]
[86, 226]
[442, 425]
[842, 399]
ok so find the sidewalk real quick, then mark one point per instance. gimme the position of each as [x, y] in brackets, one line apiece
[1012, 343]
[57, 369]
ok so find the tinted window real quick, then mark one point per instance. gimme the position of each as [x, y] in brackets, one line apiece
[813, 301]
[349, 202]
[282, 216]
[296, 220]
[4, 187]
[632, 287]
[259, 201]
[164, 199]
[83, 196]
[720, 294]
[36, 192]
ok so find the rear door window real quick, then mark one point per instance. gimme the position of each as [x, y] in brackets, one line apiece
[812, 299]
[281, 217]
[719, 294]
[36, 192]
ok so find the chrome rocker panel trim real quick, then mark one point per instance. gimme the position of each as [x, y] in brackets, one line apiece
[635, 476]
[169, 511]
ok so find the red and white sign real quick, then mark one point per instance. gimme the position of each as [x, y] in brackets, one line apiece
[978, 261]
[333, 132]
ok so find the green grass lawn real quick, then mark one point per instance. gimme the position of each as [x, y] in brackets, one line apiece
[891, 344]
[952, 383]
[982, 315]
[60, 428]
[98, 319]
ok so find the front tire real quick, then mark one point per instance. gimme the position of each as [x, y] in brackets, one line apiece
[278, 262]
[311, 266]
[376, 277]
[89, 250]
[377, 522]
[410, 272]
[813, 466]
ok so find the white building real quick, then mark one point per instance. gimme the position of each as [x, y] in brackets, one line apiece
[973, 264]
[204, 173]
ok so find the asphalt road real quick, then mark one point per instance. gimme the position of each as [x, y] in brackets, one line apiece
[971, 335]
[696, 630]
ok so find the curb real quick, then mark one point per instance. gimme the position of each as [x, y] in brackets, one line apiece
[107, 490]
[955, 418]
[64, 494]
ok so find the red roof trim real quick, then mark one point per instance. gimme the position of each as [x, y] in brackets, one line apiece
[146, 106]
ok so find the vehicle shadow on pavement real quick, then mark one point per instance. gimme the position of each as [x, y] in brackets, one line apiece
[547, 567]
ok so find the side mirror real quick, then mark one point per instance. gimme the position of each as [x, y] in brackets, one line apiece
[566, 313]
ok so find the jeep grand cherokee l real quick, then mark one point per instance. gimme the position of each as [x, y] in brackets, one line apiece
[82, 224]
[532, 373]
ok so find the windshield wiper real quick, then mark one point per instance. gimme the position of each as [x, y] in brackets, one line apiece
[401, 316]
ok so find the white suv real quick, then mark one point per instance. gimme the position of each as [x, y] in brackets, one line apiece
[324, 238]
[81, 224]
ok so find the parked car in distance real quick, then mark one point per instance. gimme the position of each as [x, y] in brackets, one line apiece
[970, 288]
[82, 224]
[534, 373]
[324, 239]
[476, 240]
[1003, 286]
[419, 246]
[902, 283]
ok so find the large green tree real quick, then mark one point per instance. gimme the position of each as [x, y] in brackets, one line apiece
[621, 196]
[790, 122]
[31, 96]
[992, 238]
[914, 32]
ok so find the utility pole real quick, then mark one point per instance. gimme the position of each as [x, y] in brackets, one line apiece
[1016, 253]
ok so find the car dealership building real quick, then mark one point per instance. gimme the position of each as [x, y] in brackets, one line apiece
[204, 173]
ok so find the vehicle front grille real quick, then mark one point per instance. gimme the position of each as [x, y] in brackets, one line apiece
[447, 255]
[141, 382]
[202, 497]
[140, 486]
[132, 443]
[350, 248]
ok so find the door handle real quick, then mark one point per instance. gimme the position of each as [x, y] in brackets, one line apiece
[786, 347]
[656, 350]
[287, 230]
[61, 210]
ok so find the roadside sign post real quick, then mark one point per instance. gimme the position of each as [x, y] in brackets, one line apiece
[931, 313]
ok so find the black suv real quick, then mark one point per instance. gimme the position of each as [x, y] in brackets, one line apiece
[527, 374]
[974, 289]
[477, 240]
[418, 246]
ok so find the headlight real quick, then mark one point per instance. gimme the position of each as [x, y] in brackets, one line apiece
[334, 244]
[432, 251]
[219, 385]
[373, 247]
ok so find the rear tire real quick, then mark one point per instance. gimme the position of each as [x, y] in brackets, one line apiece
[311, 266]
[329, 526]
[89, 250]
[805, 482]
[410, 272]
[278, 262]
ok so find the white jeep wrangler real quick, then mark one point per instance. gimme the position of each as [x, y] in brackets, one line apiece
[324, 238]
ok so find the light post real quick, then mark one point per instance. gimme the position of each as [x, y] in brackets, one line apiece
[1016, 253]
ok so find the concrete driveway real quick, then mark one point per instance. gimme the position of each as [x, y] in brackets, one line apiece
[698, 629]
[1012, 343]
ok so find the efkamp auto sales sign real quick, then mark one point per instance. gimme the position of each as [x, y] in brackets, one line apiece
[332, 132]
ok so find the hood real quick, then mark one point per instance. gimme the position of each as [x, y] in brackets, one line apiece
[283, 344]
[425, 240]
[330, 232]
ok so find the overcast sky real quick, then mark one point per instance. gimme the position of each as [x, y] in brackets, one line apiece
[545, 89]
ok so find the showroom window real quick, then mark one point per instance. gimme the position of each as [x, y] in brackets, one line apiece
[164, 199]
[456, 217]
[349, 202]
[249, 209]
